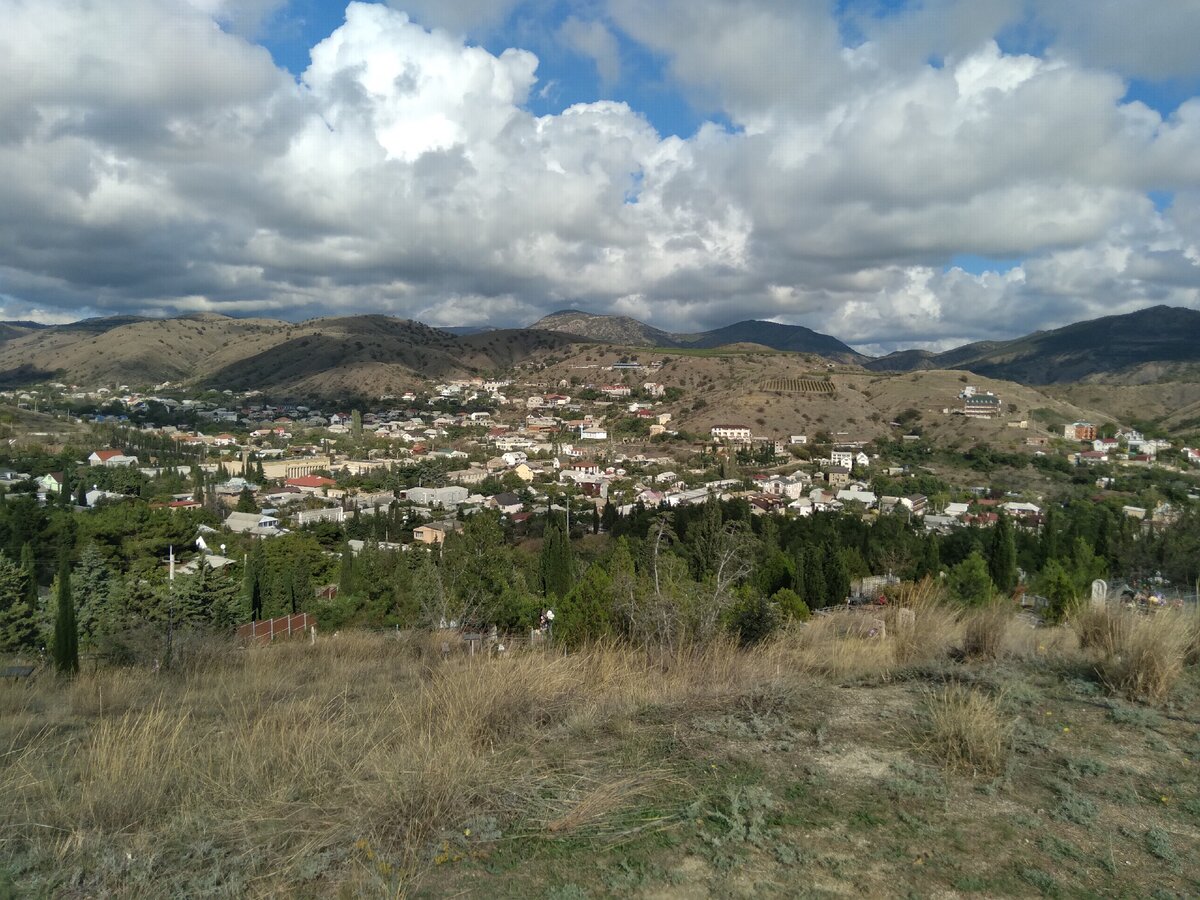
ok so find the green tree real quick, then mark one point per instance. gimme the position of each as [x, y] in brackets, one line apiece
[66, 632]
[791, 606]
[92, 583]
[1002, 559]
[609, 517]
[970, 582]
[586, 613]
[753, 618]
[356, 426]
[252, 581]
[837, 579]
[1060, 590]
[555, 563]
[18, 620]
[776, 572]
[246, 503]
[346, 579]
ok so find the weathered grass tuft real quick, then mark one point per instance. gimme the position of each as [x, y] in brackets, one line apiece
[924, 626]
[1104, 629]
[985, 630]
[965, 730]
[1146, 657]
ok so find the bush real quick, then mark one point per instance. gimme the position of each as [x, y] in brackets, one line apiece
[985, 631]
[965, 731]
[754, 619]
[791, 605]
[1149, 657]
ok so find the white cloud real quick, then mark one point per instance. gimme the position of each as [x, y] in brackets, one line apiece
[595, 41]
[155, 161]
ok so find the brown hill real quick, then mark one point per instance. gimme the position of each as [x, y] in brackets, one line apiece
[319, 357]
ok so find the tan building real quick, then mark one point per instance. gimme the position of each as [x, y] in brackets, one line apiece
[296, 467]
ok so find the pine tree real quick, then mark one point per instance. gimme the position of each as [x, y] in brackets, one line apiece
[81, 494]
[18, 619]
[66, 633]
[246, 501]
[595, 520]
[1002, 559]
[226, 610]
[356, 426]
[93, 583]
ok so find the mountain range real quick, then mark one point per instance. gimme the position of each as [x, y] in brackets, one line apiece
[631, 332]
[344, 355]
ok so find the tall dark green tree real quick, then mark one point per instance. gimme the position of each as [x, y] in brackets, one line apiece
[609, 517]
[18, 619]
[837, 579]
[346, 579]
[1002, 557]
[555, 563]
[253, 583]
[816, 589]
[246, 501]
[66, 631]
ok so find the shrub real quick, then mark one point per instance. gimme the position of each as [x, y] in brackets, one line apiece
[791, 606]
[1102, 628]
[965, 730]
[985, 631]
[1149, 657]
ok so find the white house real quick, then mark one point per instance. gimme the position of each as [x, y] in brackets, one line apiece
[730, 433]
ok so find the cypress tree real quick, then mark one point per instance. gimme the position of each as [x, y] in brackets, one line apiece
[556, 561]
[1002, 559]
[346, 576]
[608, 518]
[837, 579]
[253, 582]
[66, 634]
[816, 592]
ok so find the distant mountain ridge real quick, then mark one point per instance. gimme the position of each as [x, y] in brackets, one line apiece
[1092, 349]
[382, 354]
[626, 330]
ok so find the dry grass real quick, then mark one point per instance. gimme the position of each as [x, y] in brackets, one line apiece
[965, 730]
[985, 631]
[1143, 656]
[1104, 629]
[286, 758]
[256, 771]
[923, 624]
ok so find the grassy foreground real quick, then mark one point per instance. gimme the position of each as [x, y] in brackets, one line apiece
[948, 758]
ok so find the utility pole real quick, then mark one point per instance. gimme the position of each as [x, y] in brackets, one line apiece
[171, 601]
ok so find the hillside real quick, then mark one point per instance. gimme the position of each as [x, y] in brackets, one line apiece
[630, 332]
[319, 357]
[609, 329]
[1115, 348]
[782, 393]
[817, 763]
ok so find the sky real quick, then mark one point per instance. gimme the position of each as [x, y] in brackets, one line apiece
[898, 173]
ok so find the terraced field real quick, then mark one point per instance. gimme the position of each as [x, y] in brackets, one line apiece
[798, 386]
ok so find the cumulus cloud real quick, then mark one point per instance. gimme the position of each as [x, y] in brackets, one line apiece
[595, 41]
[157, 161]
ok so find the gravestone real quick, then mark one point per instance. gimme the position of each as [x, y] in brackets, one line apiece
[1099, 592]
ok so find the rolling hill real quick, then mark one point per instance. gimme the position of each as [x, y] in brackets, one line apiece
[318, 357]
[627, 331]
[1112, 348]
